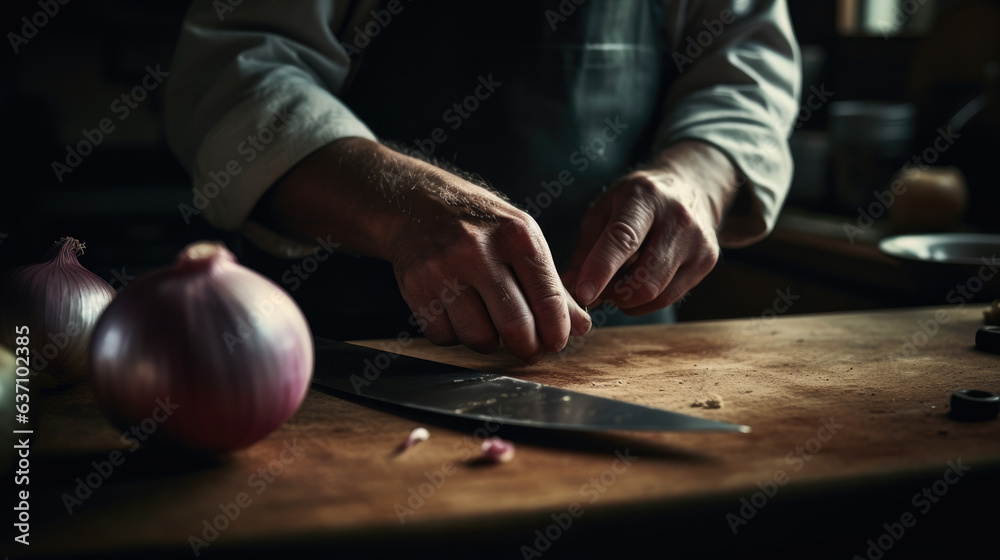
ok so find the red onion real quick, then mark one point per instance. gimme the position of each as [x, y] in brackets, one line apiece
[206, 354]
[59, 301]
[497, 450]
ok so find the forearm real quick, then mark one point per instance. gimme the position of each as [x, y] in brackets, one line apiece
[344, 190]
[361, 194]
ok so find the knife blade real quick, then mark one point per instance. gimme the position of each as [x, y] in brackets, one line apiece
[478, 395]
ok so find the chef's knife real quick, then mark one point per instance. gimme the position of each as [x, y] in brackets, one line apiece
[478, 395]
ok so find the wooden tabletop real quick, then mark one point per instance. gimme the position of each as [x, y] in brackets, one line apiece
[849, 425]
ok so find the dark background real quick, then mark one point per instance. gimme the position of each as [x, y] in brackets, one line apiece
[122, 200]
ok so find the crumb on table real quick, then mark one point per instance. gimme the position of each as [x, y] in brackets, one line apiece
[711, 401]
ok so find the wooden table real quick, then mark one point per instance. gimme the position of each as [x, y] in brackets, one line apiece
[845, 438]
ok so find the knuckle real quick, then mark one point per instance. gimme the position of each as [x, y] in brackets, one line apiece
[682, 217]
[513, 328]
[647, 291]
[644, 191]
[550, 309]
[521, 232]
[707, 257]
[641, 184]
[623, 237]
[709, 261]
[679, 218]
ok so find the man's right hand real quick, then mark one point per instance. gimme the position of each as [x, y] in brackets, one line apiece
[473, 268]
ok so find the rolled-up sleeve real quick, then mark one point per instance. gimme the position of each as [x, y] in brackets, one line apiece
[253, 90]
[738, 89]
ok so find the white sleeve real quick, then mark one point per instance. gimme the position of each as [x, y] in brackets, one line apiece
[738, 89]
[253, 87]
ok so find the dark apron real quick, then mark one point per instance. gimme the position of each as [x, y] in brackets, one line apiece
[571, 108]
[560, 114]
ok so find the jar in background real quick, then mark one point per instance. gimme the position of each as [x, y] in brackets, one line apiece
[869, 142]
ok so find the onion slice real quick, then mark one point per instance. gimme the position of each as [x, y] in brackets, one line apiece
[496, 450]
[416, 436]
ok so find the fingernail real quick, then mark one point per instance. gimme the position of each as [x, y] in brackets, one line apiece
[586, 292]
[536, 359]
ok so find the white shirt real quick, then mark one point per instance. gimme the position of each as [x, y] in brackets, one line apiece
[268, 65]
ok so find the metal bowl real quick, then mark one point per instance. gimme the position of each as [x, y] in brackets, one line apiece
[950, 267]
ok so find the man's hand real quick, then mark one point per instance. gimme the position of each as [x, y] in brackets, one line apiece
[472, 268]
[476, 270]
[651, 237]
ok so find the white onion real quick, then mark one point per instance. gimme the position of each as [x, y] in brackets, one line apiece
[226, 348]
[59, 301]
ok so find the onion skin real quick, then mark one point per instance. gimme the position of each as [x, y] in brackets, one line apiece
[60, 301]
[186, 337]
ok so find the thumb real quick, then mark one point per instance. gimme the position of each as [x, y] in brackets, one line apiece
[617, 242]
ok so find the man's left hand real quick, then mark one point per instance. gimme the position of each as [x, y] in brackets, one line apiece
[651, 237]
